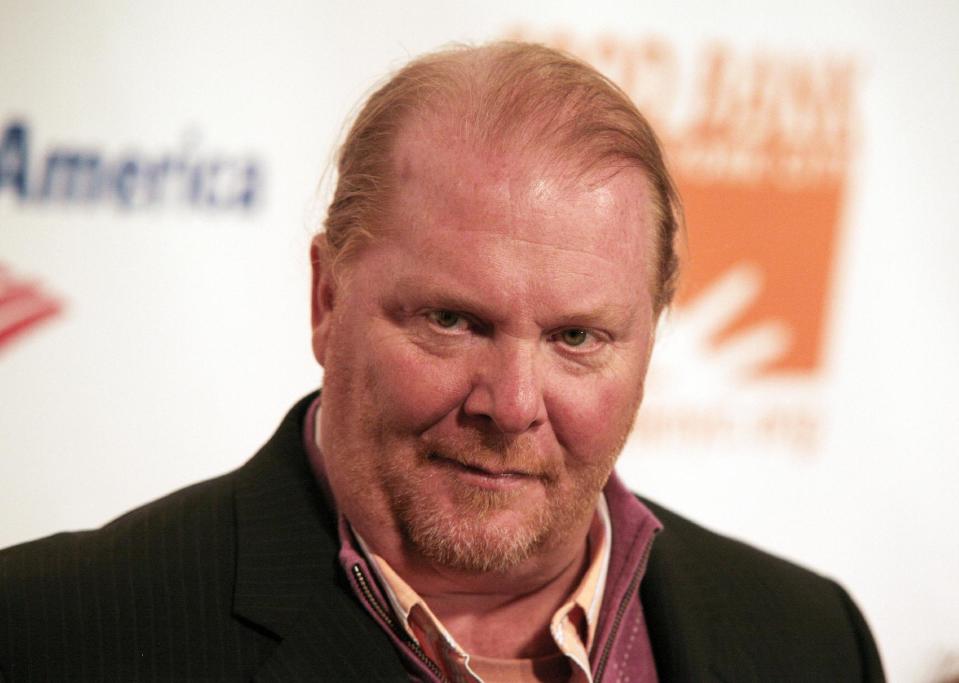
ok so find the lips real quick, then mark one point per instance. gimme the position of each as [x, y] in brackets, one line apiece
[482, 470]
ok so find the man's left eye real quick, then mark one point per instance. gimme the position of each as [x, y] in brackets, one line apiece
[574, 337]
[446, 319]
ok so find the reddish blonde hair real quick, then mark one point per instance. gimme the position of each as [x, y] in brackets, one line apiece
[503, 95]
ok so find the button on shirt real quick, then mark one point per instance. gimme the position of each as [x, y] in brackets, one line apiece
[572, 627]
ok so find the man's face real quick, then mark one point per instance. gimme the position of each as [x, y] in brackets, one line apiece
[484, 359]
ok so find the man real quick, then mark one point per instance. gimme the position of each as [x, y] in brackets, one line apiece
[496, 255]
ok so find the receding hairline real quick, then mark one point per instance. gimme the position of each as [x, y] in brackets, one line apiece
[472, 88]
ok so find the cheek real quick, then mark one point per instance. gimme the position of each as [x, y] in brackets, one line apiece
[417, 389]
[591, 420]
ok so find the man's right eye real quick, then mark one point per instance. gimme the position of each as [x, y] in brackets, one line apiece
[448, 320]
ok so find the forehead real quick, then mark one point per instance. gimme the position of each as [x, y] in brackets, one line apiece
[443, 181]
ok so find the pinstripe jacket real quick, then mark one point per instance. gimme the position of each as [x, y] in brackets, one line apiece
[237, 578]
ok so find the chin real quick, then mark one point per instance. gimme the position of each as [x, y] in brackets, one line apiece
[478, 537]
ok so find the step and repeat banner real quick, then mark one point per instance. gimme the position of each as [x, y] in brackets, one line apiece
[163, 167]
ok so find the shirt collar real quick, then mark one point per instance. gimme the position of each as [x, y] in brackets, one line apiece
[580, 609]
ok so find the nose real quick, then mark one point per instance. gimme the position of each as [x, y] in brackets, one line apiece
[507, 388]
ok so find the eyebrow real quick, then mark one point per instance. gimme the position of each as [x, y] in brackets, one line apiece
[605, 313]
[439, 296]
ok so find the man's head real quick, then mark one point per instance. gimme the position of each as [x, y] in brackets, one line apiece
[501, 258]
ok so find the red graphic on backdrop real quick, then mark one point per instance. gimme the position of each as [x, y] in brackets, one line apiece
[23, 306]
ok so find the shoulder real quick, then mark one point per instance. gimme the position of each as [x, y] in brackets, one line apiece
[156, 593]
[746, 605]
[139, 592]
[181, 519]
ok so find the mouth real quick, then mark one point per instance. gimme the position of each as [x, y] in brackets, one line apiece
[481, 472]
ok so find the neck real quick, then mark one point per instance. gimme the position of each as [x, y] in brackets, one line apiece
[503, 619]
[503, 615]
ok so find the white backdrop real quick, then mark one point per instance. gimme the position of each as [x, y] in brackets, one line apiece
[154, 320]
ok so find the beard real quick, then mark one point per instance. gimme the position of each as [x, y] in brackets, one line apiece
[475, 529]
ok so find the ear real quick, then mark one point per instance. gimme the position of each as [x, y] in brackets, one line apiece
[322, 296]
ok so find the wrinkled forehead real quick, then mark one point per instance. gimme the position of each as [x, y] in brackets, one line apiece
[447, 165]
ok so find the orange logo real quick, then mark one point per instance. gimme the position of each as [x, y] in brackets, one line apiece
[22, 307]
[759, 145]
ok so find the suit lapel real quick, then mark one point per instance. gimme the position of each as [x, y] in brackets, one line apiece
[695, 628]
[288, 579]
[678, 609]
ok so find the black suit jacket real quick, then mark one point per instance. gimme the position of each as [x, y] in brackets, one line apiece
[237, 578]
